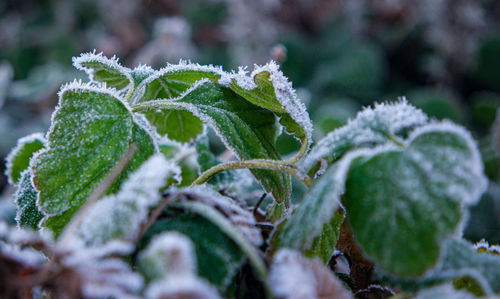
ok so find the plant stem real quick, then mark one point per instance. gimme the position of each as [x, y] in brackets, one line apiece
[304, 146]
[255, 164]
[130, 94]
[395, 139]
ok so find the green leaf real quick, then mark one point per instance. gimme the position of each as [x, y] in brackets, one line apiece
[207, 159]
[248, 130]
[220, 250]
[18, 159]
[412, 197]
[369, 128]
[106, 70]
[168, 253]
[28, 215]
[120, 215]
[268, 88]
[169, 83]
[323, 245]
[460, 263]
[315, 223]
[90, 131]
[177, 125]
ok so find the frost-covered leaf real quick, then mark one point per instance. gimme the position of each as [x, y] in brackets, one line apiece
[169, 262]
[181, 287]
[241, 220]
[411, 197]
[177, 125]
[169, 83]
[220, 249]
[120, 216]
[185, 156]
[91, 129]
[323, 245]
[168, 253]
[27, 215]
[99, 272]
[267, 87]
[248, 130]
[370, 127]
[443, 291]
[19, 158]
[292, 277]
[102, 69]
[462, 264]
[316, 215]
[173, 80]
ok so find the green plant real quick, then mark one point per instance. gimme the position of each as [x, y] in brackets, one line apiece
[390, 190]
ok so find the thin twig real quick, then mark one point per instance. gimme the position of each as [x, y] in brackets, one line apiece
[153, 216]
[256, 207]
[113, 174]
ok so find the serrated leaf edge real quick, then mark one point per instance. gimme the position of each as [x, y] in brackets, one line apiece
[112, 62]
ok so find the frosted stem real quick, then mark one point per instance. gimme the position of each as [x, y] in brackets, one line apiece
[254, 164]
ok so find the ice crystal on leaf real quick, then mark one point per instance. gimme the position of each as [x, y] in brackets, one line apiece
[169, 253]
[18, 158]
[242, 220]
[91, 129]
[370, 127]
[120, 216]
[294, 277]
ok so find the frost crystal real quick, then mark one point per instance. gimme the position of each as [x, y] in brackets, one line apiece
[169, 261]
[243, 220]
[169, 253]
[285, 94]
[12, 242]
[467, 168]
[120, 216]
[181, 287]
[101, 273]
[294, 277]
[110, 63]
[370, 126]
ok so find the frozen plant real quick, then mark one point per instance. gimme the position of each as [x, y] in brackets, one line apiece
[128, 217]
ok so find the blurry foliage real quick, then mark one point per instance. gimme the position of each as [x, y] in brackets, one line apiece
[444, 56]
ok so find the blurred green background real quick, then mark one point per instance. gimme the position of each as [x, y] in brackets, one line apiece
[443, 55]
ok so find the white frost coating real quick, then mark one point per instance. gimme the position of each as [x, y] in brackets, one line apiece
[14, 152]
[285, 94]
[444, 291]
[120, 216]
[169, 253]
[182, 66]
[112, 62]
[370, 126]
[336, 180]
[242, 220]
[79, 85]
[183, 286]
[11, 245]
[101, 272]
[469, 195]
[294, 277]
[484, 245]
